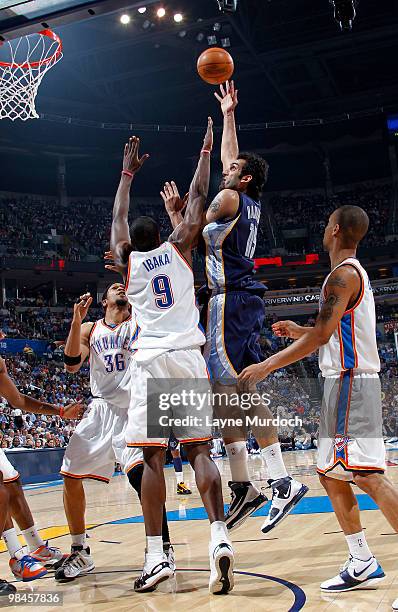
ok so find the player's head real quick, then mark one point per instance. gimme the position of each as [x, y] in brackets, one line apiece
[248, 174]
[114, 295]
[144, 233]
[346, 227]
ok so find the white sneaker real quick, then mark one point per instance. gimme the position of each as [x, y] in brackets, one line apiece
[355, 574]
[221, 568]
[169, 552]
[78, 563]
[395, 604]
[153, 575]
[286, 493]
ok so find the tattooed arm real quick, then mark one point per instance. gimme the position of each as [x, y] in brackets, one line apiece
[224, 206]
[341, 290]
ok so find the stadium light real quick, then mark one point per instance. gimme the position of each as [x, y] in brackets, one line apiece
[161, 12]
[178, 18]
[125, 19]
[142, 10]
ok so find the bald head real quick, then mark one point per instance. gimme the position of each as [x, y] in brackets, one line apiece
[353, 225]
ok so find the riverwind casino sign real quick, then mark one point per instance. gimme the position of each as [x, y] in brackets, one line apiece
[313, 298]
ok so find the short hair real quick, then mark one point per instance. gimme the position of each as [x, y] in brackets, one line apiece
[258, 168]
[354, 224]
[144, 233]
[105, 294]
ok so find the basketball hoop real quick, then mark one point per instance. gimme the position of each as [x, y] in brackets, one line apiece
[29, 58]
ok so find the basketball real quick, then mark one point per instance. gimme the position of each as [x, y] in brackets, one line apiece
[215, 65]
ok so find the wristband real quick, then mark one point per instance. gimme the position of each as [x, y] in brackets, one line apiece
[128, 173]
[71, 361]
[62, 412]
[205, 151]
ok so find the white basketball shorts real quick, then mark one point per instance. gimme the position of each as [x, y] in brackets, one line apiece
[9, 472]
[98, 442]
[178, 365]
[350, 429]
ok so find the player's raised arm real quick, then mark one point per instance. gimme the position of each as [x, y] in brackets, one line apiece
[229, 143]
[77, 346]
[9, 391]
[187, 232]
[120, 232]
[341, 289]
[173, 203]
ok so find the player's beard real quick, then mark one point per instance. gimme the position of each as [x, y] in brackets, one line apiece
[121, 302]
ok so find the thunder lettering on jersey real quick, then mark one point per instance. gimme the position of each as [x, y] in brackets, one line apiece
[352, 345]
[160, 288]
[111, 350]
[230, 247]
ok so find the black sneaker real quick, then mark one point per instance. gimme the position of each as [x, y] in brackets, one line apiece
[149, 580]
[245, 500]
[6, 588]
[286, 493]
[78, 563]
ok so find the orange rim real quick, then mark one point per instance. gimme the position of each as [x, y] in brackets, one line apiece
[44, 62]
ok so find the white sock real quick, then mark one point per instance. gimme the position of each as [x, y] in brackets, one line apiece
[32, 538]
[237, 455]
[358, 546]
[79, 539]
[14, 546]
[179, 477]
[272, 457]
[219, 533]
[154, 550]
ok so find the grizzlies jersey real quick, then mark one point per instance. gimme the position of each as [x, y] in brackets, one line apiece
[111, 355]
[160, 288]
[230, 247]
[353, 344]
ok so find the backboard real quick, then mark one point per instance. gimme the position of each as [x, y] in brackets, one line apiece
[21, 17]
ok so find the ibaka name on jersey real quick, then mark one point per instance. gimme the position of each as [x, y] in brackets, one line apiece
[156, 262]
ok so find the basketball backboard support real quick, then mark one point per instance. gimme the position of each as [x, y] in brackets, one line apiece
[21, 17]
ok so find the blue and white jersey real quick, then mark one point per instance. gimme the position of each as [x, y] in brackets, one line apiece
[160, 288]
[111, 361]
[230, 247]
[352, 345]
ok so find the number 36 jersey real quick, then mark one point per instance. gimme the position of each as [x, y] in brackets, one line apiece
[160, 288]
[112, 361]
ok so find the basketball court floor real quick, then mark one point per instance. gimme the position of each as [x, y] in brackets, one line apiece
[279, 572]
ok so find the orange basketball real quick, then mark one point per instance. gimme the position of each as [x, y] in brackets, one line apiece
[215, 65]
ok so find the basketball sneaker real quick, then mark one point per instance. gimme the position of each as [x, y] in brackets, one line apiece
[78, 563]
[27, 568]
[6, 588]
[221, 568]
[169, 552]
[182, 489]
[47, 555]
[395, 604]
[245, 499]
[355, 574]
[152, 575]
[286, 493]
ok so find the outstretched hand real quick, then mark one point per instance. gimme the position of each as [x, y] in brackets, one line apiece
[172, 199]
[80, 309]
[131, 162]
[208, 139]
[74, 411]
[228, 98]
[112, 266]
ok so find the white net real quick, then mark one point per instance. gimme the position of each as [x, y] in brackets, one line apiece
[23, 64]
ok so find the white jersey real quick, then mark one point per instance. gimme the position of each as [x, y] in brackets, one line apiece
[111, 361]
[160, 288]
[353, 344]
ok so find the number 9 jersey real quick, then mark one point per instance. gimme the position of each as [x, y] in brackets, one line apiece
[160, 288]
